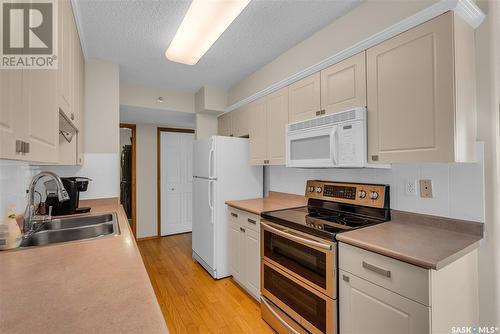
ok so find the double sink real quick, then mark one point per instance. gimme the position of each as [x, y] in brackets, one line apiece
[72, 229]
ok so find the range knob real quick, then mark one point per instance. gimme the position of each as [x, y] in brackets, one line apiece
[319, 190]
[362, 194]
[374, 195]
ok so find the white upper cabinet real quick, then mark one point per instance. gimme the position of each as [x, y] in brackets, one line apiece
[12, 117]
[225, 127]
[304, 98]
[258, 131]
[343, 85]
[66, 31]
[240, 122]
[277, 120]
[417, 111]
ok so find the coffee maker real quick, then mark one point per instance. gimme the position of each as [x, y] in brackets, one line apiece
[73, 186]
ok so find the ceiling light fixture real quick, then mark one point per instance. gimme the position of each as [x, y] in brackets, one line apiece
[204, 23]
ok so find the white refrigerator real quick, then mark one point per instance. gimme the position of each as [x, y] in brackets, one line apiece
[221, 172]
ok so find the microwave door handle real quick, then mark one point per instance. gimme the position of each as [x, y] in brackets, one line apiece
[334, 145]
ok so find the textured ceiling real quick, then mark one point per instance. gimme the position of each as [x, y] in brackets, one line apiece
[134, 115]
[135, 35]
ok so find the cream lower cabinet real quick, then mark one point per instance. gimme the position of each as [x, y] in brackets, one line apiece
[244, 250]
[268, 120]
[378, 294]
[421, 95]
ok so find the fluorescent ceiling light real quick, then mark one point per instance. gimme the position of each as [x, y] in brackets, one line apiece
[203, 24]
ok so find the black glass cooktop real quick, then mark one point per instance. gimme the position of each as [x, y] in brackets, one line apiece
[327, 219]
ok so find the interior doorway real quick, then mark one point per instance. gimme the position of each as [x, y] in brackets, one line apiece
[127, 172]
[175, 159]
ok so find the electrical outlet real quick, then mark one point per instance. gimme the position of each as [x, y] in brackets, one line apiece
[411, 187]
[426, 188]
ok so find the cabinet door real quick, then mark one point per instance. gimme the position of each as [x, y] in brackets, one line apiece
[410, 95]
[224, 125]
[365, 307]
[12, 113]
[258, 132]
[80, 106]
[240, 122]
[304, 98]
[42, 126]
[343, 85]
[252, 262]
[277, 120]
[66, 33]
[236, 248]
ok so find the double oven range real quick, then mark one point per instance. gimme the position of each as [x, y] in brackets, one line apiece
[299, 253]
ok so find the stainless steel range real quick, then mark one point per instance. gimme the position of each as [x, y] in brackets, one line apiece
[299, 253]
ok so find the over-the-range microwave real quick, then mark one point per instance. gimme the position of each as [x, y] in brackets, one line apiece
[335, 140]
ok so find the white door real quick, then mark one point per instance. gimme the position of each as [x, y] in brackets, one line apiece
[176, 154]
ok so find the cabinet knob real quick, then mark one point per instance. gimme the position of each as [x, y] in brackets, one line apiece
[345, 278]
[242, 229]
[72, 116]
[234, 215]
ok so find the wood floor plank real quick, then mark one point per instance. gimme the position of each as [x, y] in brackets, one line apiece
[190, 299]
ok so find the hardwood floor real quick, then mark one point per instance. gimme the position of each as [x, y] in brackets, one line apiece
[190, 299]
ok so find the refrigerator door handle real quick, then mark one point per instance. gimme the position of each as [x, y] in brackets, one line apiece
[211, 163]
[211, 199]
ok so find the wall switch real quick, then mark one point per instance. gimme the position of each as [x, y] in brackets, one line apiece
[411, 187]
[426, 188]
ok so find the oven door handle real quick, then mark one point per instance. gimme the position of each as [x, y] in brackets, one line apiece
[276, 315]
[296, 238]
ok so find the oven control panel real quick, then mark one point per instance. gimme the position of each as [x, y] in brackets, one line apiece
[373, 195]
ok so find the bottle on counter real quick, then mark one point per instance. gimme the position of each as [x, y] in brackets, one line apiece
[10, 233]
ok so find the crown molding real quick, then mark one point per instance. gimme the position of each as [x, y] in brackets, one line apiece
[467, 9]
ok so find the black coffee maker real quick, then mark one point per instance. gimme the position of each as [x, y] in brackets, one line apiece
[73, 186]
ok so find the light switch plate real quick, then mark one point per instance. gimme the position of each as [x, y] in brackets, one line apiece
[425, 188]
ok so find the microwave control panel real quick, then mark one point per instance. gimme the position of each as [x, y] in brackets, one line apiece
[373, 195]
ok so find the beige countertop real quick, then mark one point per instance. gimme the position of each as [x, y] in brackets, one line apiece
[275, 201]
[426, 241]
[93, 286]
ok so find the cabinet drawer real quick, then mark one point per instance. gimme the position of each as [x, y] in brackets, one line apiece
[247, 220]
[403, 278]
[365, 307]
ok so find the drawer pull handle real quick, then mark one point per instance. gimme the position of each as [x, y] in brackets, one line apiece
[234, 214]
[378, 270]
[251, 221]
[242, 229]
[345, 278]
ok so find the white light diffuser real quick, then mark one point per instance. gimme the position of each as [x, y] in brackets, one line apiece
[203, 24]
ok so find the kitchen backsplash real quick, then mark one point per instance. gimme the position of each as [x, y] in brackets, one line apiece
[458, 188]
[102, 168]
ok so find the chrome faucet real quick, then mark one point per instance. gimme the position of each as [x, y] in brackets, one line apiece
[29, 215]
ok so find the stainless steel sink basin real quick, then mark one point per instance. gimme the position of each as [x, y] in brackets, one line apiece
[73, 229]
[70, 222]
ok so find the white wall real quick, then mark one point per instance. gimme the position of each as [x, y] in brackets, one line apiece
[146, 180]
[458, 188]
[362, 22]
